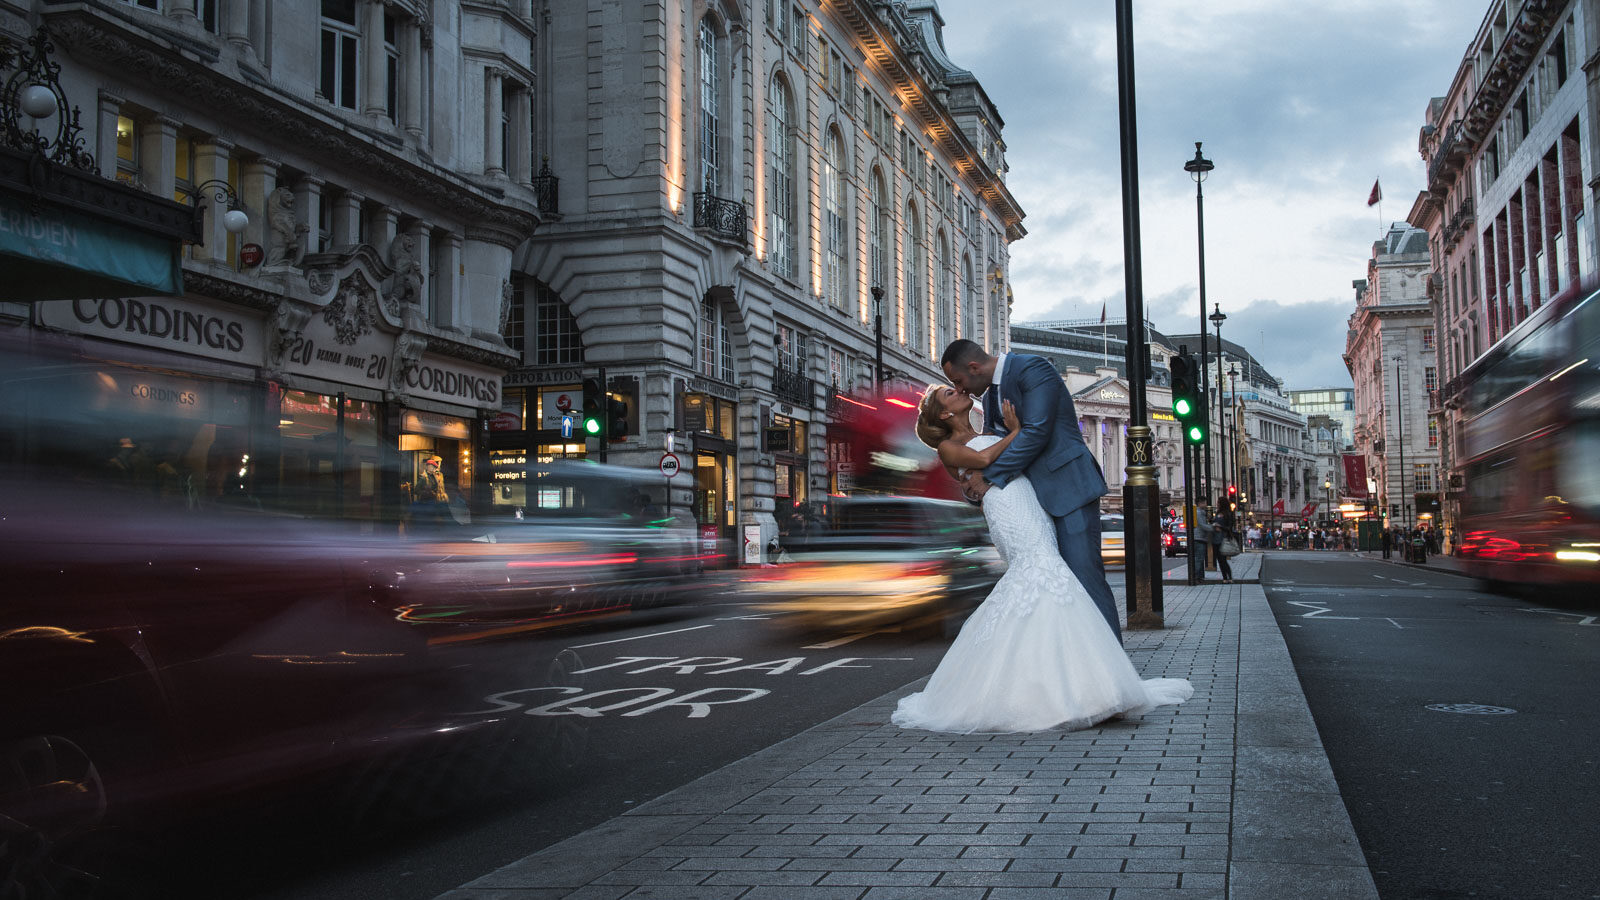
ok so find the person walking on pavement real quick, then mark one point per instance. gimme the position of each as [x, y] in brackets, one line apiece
[1387, 542]
[1222, 530]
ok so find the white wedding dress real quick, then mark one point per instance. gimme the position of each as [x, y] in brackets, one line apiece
[1037, 654]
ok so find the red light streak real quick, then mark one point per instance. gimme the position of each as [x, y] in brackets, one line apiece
[615, 560]
[898, 402]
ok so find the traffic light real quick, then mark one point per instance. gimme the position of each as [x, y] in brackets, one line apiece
[616, 417]
[1188, 398]
[594, 425]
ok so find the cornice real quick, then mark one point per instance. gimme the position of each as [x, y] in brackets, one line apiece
[1505, 72]
[884, 49]
[114, 47]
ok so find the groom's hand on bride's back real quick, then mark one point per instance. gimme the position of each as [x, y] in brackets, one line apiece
[974, 487]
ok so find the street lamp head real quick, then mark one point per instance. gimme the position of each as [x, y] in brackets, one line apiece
[1217, 316]
[1199, 166]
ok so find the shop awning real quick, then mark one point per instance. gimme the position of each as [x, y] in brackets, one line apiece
[68, 234]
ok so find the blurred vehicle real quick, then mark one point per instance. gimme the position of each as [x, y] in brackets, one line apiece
[1530, 439]
[883, 560]
[1174, 539]
[878, 441]
[592, 546]
[1113, 550]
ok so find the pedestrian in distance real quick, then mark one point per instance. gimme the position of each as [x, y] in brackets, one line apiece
[1387, 542]
[1222, 525]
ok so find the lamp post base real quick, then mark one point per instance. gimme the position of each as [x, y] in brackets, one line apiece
[1141, 507]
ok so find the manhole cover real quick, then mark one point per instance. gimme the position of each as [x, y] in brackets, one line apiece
[1471, 709]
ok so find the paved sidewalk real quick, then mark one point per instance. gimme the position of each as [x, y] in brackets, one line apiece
[1246, 570]
[1229, 795]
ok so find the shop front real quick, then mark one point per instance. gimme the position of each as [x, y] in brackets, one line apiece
[529, 431]
[709, 417]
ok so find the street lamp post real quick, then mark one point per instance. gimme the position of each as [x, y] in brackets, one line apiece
[1141, 492]
[1327, 490]
[1233, 447]
[877, 337]
[1198, 168]
[1400, 428]
[1217, 318]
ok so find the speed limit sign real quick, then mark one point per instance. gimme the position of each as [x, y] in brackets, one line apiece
[669, 464]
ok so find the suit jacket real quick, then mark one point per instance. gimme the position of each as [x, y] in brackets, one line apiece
[1049, 450]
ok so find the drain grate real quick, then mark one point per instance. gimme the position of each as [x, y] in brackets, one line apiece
[1471, 709]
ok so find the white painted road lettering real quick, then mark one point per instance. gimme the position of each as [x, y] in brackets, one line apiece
[639, 701]
[1319, 610]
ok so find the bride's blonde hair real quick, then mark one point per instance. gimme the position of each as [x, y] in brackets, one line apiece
[932, 429]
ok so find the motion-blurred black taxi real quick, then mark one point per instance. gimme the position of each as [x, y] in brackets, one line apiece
[882, 560]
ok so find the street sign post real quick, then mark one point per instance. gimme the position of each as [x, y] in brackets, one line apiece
[669, 465]
[566, 425]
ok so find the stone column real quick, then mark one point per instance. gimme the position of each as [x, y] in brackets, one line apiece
[258, 29]
[236, 23]
[411, 65]
[158, 149]
[105, 145]
[258, 178]
[347, 220]
[182, 9]
[370, 15]
[381, 229]
[521, 168]
[446, 293]
[308, 209]
[493, 159]
[424, 235]
[211, 163]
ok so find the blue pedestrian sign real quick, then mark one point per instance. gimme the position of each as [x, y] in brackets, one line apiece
[566, 425]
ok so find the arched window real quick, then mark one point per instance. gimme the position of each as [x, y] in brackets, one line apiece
[834, 262]
[715, 348]
[711, 80]
[780, 180]
[881, 252]
[969, 301]
[915, 281]
[941, 281]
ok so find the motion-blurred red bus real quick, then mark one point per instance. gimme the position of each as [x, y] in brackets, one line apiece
[1530, 442]
[877, 432]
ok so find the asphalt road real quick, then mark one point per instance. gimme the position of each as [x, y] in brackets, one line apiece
[1450, 804]
[641, 707]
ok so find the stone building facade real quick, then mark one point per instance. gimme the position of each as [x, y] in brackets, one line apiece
[380, 153]
[1392, 354]
[1508, 202]
[738, 181]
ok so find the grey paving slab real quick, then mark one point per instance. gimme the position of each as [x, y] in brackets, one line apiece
[1229, 795]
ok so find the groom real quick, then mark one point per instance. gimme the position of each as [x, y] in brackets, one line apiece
[1050, 451]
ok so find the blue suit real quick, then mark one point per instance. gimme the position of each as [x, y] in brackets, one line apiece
[1050, 451]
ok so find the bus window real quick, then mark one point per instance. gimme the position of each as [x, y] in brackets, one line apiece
[1581, 474]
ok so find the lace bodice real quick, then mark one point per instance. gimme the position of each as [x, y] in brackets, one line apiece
[1018, 524]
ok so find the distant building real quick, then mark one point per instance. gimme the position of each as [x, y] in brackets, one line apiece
[1337, 403]
[1391, 353]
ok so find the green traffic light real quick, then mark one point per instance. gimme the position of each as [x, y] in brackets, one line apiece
[1196, 434]
[1181, 407]
[591, 425]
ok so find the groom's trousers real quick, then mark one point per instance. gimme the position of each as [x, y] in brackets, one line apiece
[1078, 538]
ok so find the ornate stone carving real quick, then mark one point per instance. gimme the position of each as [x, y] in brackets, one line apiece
[319, 280]
[506, 294]
[405, 285]
[288, 321]
[408, 350]
[288, 236]
[352, 311]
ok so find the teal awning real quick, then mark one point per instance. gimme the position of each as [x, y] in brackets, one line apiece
[58, 254]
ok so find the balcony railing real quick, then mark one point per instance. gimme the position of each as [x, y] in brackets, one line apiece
[794, 387]
[547, 190]
[724, 218]
[1449, 158]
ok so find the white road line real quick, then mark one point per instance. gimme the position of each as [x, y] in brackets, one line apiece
[1318, 610]
[840, 642]
[1395, 624]
[640, 637]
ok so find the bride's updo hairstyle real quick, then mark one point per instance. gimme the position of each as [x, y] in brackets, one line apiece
[932, 429]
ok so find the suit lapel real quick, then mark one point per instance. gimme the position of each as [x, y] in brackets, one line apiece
[991, 412]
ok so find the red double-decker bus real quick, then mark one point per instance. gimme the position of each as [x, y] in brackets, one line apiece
[1530, 442]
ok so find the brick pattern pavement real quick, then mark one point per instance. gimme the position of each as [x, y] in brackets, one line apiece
[1172, 804]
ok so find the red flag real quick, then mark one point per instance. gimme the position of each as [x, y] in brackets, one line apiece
[1376, 195]
[1277, 508]
[1102, 312]
[1310, 510]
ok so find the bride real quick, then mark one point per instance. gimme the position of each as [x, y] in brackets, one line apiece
[1036, 655]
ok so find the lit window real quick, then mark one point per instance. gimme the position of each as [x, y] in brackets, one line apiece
[781, 180]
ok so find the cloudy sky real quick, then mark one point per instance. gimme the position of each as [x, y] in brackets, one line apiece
[1300, 106]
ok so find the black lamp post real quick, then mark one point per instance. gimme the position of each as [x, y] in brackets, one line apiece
[1400, 427]
[1233, 400]
[877, 337]
[1217, 318]
[1198, 168]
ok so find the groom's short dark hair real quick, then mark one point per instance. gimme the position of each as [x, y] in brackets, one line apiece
[962, 351]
